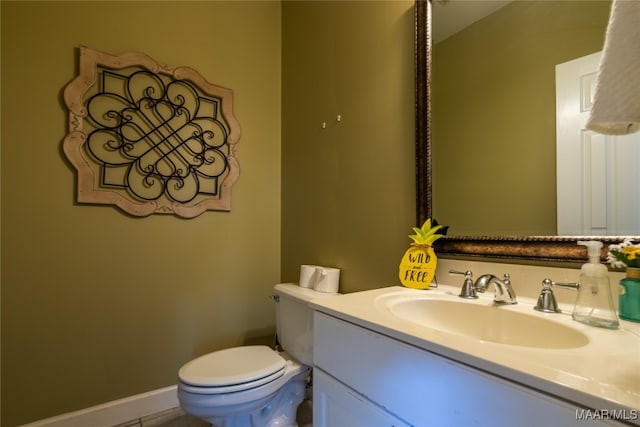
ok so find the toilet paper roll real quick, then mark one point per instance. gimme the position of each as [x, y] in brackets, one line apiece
[308, 275]
[328, 280]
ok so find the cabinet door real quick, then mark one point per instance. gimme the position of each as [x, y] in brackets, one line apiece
[335, 405]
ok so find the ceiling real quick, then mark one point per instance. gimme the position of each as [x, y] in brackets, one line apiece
[451, 16]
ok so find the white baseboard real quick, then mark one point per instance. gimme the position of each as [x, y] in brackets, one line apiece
[115, 412]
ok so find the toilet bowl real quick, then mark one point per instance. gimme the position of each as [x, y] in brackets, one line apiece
[255, 386]
[243, 387]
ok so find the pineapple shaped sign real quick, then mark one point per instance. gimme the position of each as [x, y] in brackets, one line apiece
[418, 265]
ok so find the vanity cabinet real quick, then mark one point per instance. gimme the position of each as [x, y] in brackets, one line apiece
[364, 378]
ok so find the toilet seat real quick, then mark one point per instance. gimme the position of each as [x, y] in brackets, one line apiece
[232, 370]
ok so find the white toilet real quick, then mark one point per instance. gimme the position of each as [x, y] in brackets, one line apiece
[255, 386]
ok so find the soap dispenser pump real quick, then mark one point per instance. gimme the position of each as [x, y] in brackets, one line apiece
[594, 305]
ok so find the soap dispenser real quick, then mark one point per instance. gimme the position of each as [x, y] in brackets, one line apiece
[594, 305]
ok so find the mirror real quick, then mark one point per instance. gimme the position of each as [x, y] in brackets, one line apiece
[531, 245]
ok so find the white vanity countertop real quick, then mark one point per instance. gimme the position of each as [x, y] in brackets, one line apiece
[602, 375]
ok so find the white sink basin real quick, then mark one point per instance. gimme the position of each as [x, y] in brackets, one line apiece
[487, 322]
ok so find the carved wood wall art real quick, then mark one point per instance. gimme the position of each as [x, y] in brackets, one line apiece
[150, 138]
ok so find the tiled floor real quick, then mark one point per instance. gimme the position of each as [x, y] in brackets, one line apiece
[305, 414]
[177, 418]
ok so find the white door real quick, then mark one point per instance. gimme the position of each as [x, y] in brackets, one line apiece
[598, 176]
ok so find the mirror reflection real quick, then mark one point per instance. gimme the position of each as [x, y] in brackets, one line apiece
[494, 169]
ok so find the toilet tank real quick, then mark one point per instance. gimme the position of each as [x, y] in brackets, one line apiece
[294, 320]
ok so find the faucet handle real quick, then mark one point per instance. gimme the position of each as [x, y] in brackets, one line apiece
[468, 289]
[461, 273]
[547, 300]
[549, 283]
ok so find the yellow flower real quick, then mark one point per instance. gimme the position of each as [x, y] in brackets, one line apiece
[631, 252]
[625, 254]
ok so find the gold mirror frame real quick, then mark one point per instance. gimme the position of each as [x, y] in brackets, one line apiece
[525, 249]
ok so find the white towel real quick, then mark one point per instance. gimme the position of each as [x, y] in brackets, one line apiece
[616, 105]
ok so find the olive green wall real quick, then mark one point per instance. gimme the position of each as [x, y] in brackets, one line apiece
[494, 157]
[97, 305]
[348, 190]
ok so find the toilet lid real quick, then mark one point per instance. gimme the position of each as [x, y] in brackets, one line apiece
[233, 366]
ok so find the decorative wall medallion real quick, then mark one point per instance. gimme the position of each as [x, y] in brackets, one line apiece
[150, 138]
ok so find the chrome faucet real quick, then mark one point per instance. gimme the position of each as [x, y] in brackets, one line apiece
[503, 291]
